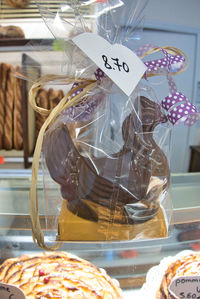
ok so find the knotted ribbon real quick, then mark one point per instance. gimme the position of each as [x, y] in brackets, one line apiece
[178, 107]
[174, 62]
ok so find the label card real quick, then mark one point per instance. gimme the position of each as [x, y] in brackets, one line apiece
[187, 287]
[119, 63]
[8, 291]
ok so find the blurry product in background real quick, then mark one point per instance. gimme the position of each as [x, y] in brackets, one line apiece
[17, 114]
[11, 126]
[11, 32]
[9, 105]
[47, 99]
[42, 100]
[11, 132]
[17, 3]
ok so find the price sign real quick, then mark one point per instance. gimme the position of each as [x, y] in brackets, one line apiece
[119, 63]
[185, 287]
[8, 291]
[110, 65]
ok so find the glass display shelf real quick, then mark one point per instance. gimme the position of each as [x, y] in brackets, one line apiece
[128, 261]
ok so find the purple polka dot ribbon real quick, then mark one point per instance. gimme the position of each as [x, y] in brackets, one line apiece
[84, 110]
[99, 74]
[143, 49]
[170, 63]
[172, 84]
[180, 109]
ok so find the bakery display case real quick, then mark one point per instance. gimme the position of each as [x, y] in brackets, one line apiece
[162, 217]
[19, 124]
[128, 261]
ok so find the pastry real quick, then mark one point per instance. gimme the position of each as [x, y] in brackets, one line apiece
[4, 69]
[42, 101]
[9, 101]
[54, 97]
[17, 114]
[17, 3]
[186, 265]
[48, 100]
[11, 32]
[1, 118]
[58, 275]
[4, 72]
[2, 113]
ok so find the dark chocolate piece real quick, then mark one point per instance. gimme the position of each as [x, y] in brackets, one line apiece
[128, 188]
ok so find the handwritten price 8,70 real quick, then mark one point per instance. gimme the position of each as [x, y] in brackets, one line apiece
[114, 64]
[184, 295]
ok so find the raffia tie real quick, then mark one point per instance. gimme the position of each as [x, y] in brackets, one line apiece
[67, 101]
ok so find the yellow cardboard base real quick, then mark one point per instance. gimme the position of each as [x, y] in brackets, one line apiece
[74, 228]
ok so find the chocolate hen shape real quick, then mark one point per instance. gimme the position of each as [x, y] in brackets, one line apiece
[124, 187]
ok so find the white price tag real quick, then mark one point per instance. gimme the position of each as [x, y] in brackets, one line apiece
[8, 291]
[185, 287]
[119, 63]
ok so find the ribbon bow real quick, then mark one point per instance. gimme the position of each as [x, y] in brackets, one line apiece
[178, 107]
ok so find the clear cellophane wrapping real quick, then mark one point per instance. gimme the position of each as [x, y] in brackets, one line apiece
[107, 155]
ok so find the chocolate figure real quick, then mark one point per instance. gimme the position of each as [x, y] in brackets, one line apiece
[128, 187]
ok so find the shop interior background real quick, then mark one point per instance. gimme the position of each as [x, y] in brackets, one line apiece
[172, 22]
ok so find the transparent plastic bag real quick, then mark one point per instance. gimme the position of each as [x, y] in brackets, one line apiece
[109, 167]
[107, 152]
